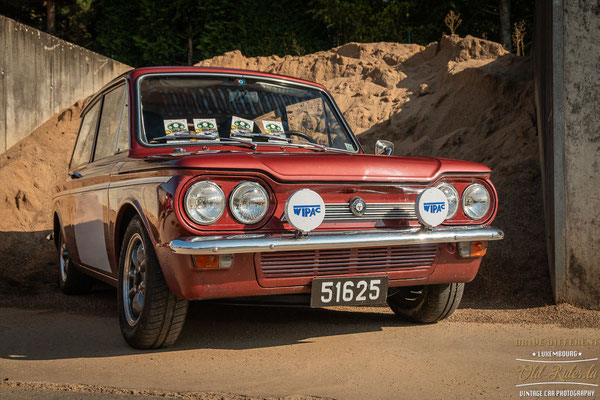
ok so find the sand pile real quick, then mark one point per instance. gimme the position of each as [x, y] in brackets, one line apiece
[29, 172]
[426, 99]
[463, 98]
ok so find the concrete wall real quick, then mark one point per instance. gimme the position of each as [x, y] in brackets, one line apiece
[581, 119]
[40, 75]
[567, 59]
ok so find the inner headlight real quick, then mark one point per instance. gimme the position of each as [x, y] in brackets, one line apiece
[249, 202]
[204, 202]
[475, 201]
[451, 196]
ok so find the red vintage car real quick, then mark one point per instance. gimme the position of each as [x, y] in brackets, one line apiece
[203, 183]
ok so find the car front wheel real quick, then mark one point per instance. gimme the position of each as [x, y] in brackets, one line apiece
[426, 304]
[150, 316]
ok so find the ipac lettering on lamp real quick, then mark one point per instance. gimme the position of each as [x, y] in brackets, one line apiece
[307, 211]
[434, 208]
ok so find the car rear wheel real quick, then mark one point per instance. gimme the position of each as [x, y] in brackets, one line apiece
[426, 304]
[150, 316]
[70, 279]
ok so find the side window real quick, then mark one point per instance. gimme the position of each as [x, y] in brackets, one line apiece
[336, 133]
[123, 141]
[109, 123]
[85, 140]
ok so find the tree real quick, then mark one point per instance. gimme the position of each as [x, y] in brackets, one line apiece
[505, 24]
[51, 17]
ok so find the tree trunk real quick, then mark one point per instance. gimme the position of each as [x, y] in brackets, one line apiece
[505, 24]
[51, 16]
[190, 45]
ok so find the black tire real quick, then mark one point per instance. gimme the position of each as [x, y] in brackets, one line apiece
[162, 314]
[70, 279]
[426, 304]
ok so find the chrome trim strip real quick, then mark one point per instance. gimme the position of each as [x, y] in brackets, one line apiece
[341, 211]
[90, 188]
[140, 181]
[112, 185]
[259, 243]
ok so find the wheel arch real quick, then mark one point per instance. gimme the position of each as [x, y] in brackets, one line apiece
[56, 228]
[127, 212]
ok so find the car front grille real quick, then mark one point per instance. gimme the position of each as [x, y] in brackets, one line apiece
[373, 211]
[300, 267]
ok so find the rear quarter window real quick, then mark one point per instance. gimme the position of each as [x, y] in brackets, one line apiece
[85, 139]
[110, 121]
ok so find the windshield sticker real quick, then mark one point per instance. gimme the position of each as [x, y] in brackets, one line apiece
[176, 127]
[241, 127]
[206, 128]
[349, 147]
[273, 128]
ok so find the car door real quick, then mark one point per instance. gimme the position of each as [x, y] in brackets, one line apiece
[77, 181]
[90, 203]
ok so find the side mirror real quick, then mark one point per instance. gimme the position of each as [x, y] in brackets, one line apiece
[384, 148]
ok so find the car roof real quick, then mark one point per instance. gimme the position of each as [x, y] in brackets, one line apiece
[135, 73]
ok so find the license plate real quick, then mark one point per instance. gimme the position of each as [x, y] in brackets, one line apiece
[348, 291]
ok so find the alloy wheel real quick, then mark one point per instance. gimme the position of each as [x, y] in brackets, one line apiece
[134, 279]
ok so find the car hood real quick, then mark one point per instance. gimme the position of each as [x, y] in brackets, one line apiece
[334, 167]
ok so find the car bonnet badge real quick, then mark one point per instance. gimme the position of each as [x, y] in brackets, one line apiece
[358, 206]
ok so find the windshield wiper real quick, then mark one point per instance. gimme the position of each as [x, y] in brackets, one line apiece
[246, 143]
[296, 142]
[173, 137]
[195, 137]
[240, 141]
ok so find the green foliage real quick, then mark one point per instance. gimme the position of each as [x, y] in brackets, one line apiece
[157, 32]
[392, 20]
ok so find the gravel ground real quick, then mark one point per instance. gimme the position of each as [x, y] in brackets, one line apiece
[102, 302]
[17, 390]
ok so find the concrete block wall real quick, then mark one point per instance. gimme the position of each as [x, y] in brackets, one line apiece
[567, 62]
[580, 116]
[40, 75]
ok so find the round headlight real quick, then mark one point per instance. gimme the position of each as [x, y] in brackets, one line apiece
[475, 201]
[248, 202]
[204, 202]
[451, 196]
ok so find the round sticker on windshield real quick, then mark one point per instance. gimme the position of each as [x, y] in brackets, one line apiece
[242, 124]
[273, 127]
[431, 207]
[305, 210]
[205, 125]
[175, 126]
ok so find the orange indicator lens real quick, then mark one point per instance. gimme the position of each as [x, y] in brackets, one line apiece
[478, 249]
[204, 261]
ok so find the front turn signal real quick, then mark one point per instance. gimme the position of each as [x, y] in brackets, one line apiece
[472, 249]
[213, 261]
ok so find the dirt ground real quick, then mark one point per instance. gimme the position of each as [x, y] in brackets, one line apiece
[260, 351]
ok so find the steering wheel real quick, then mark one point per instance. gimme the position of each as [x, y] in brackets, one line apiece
[301, 135]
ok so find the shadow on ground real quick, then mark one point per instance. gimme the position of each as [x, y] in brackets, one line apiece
[49, 335]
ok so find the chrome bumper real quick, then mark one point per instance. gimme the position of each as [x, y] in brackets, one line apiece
[260, 243]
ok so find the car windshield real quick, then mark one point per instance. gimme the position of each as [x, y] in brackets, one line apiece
[199, 110]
